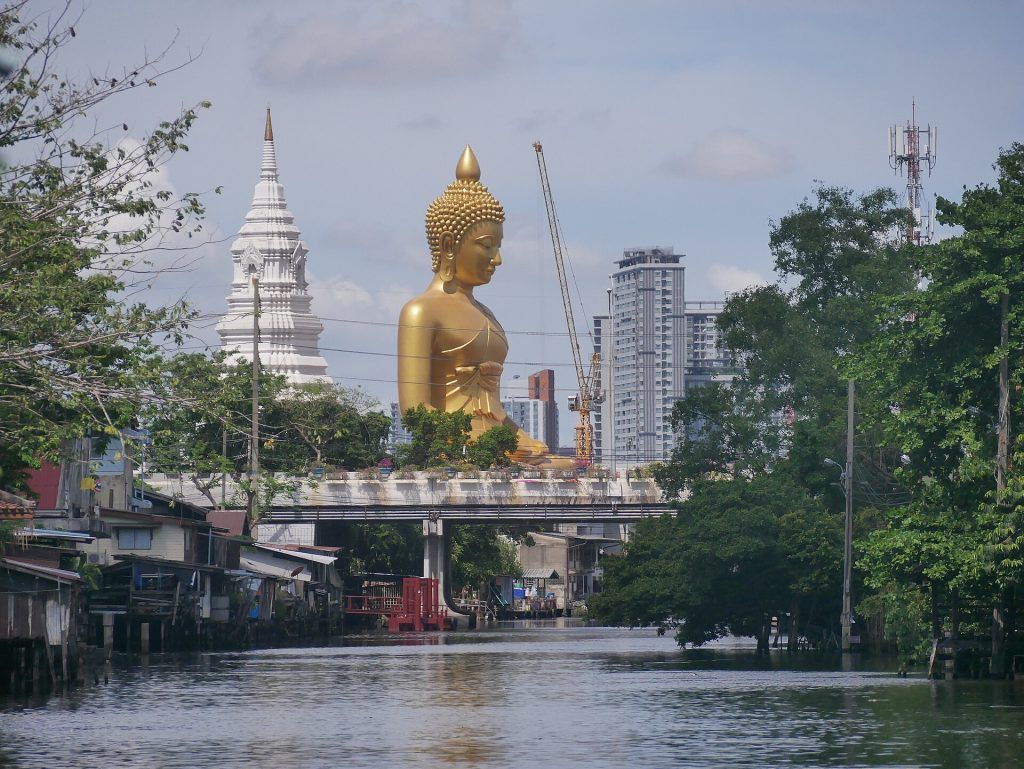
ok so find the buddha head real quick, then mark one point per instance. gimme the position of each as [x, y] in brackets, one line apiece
[464, 228]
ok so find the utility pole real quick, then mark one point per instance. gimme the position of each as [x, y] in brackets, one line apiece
[1003, 448]
[224, 471]
[252, 262]
[997, 667]
[254, 440]
[847, 616]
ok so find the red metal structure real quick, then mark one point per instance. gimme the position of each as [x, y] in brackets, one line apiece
[417, 608]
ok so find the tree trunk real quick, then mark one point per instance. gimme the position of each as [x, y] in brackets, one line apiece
[936, 618]
[764, 635]
[954, 618]
[997, 667]
[793, 634]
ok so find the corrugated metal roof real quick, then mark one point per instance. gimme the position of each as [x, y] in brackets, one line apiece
[540, 574]
[288, 553]
[48, 572]
[272, 566]
[76, 536]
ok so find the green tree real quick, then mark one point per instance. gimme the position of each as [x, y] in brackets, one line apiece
[751, 455]
[478, 552]
[323, 423]
[936, 364]
[494, 448]
[78, 215]
[437, 436]
[738, 553]
[201, 401]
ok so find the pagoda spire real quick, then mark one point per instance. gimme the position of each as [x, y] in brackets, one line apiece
[289, 331]
[268, 168]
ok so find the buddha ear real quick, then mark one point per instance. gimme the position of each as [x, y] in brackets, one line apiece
[447, 244]
[446, 266]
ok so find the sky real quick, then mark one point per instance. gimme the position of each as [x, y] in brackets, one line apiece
[684, 124]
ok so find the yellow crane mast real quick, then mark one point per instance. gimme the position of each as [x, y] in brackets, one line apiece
[583, 401]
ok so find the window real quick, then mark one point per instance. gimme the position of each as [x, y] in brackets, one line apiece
[134, 539]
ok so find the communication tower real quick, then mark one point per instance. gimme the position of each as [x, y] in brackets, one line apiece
[911, 148]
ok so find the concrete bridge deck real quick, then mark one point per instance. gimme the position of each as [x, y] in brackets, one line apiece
[492, 498]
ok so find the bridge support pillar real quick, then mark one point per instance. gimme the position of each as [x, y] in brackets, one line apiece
[437, 564]
[434, 556]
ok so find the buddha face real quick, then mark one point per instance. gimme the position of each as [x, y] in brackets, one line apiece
[479, 253]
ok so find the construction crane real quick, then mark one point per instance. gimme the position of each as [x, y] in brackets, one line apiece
[588, 394]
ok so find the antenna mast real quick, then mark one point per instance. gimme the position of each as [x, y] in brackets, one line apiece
[907, 152]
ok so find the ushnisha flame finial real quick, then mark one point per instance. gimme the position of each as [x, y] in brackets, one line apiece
[468, 169]
[268, 132]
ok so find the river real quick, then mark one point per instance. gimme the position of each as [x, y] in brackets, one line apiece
[514, 697]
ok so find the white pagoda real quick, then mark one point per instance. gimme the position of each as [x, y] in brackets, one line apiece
[269, 246]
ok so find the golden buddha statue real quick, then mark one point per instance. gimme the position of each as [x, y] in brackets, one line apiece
[451, 348]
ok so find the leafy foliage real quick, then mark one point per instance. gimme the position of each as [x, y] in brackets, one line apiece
[438, 437]
[77, 220]
[760, 531]
[494, 448]
[736, 555]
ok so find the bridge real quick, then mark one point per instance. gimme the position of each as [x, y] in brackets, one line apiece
[435, 498]
[494, 497]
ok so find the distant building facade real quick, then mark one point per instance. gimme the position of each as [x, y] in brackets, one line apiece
[707, 358]
[541, 387]
[643, 351]
[531, 414]
[654, 347]
[398, 434]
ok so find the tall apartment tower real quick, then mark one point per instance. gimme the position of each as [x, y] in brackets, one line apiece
[269, 243]
[707, 359]
[541, 387]
[643, 349]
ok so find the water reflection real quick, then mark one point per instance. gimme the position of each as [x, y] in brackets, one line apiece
[518, 697]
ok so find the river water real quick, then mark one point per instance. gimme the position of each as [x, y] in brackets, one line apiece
[514, 697]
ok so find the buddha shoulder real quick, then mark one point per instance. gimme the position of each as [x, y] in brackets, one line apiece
[423, 310]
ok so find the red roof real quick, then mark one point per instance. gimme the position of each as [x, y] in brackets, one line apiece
[43, 483]
[233, 521]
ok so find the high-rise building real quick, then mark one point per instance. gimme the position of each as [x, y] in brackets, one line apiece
[643, 347]
[531, 414]
[654, 346]
[269, 245]
[398, 434]
[707, 359]
[541, 387]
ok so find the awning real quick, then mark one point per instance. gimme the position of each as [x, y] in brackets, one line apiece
[540, 574]
[287, 553]
[47, 572]
[73, 536]
[272, 566]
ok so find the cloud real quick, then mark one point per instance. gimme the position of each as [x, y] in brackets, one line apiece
[729, 279]
[387, 44]
[345, 298]
[340, 294]
[728, 156]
